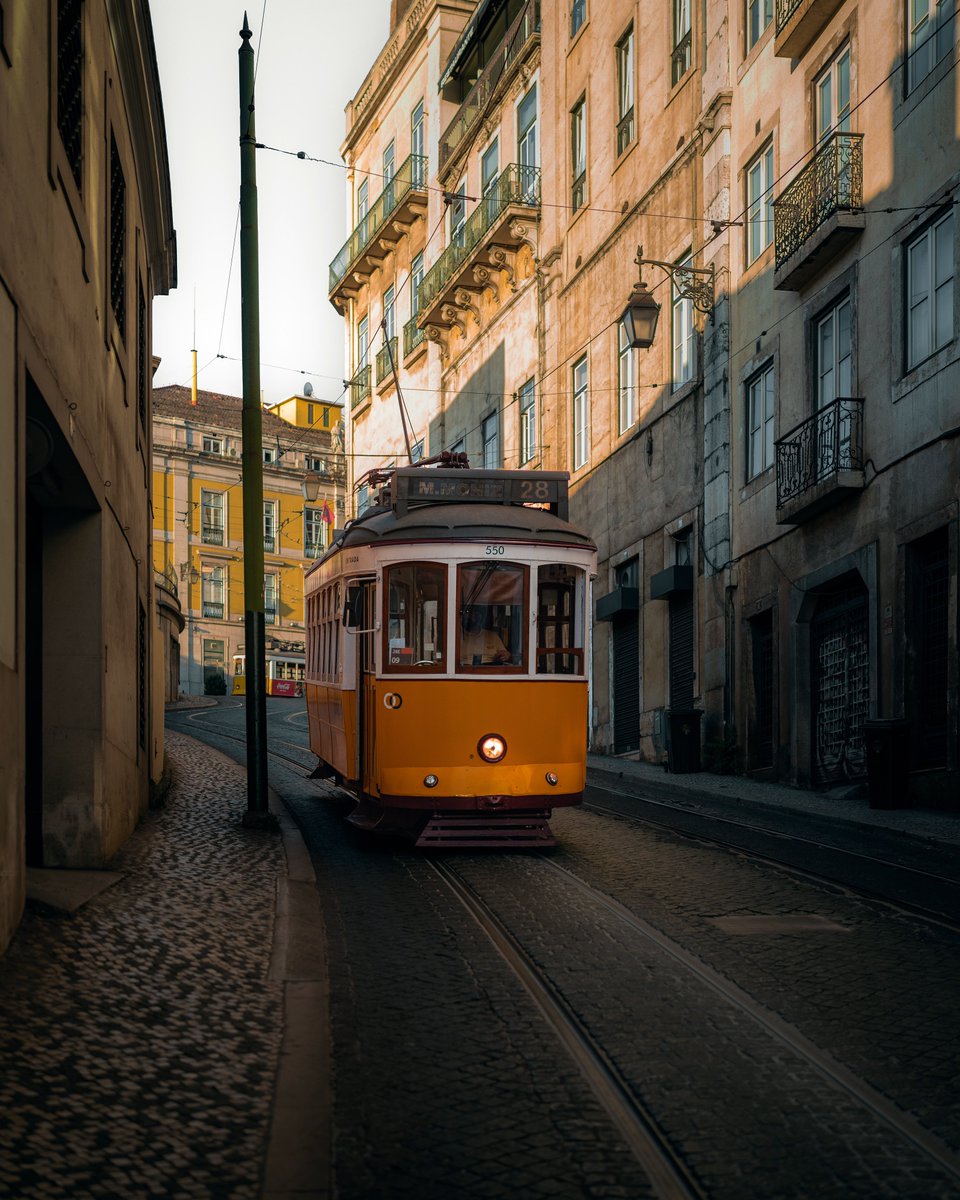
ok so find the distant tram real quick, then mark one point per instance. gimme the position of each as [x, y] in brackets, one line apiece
[285, 674]
[447, 656]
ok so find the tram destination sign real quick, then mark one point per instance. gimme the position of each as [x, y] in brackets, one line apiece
[412, 486]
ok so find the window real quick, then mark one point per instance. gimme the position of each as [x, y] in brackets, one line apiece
[759, 209]
[760, 422]
[931, 37]
[319, 465]
[490, 434]
[211, 518]
[930, 287]
[212, 445]
[309, 414]
[363, 499]
[759, 16]
[489, 172]
[458, 214]
[527, 129]
[833, 97]
[581, 449]
[141, 675]
[312, 532]
[561, 595]
[363, 343]
[416, 451]
[681, 58]
[418, 166]
[118, 240]
[492, 624]
[834, 353]
[528, 422]
[415, 620]
[70, 84]
[684, 337]
[389, 169]
[269, 455]
[270, 526]
[578, 153]
[416, 278]
[626, 381]
[389, 314]
[459, 447]
[270, 598]
[625, 91]
[578, 14]
[363, 205]
[142, 386]
[212, 589]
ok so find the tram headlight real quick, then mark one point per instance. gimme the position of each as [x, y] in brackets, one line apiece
[491, 747]
[430, 781]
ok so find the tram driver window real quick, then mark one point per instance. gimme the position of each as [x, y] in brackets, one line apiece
[414, 637]
[560, 593]
[491, 607]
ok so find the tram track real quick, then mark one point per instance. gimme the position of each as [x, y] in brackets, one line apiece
[820, 849]
[660, 1159]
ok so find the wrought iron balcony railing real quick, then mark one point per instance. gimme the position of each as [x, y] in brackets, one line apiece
[820, 448]
[269, 543]
[212, 535]
[384, 370]
[526, 25]
[785, 10]
[831, 182]
[360, 386]
[312, 548]
[514, 185]
[410, 175]
[413, 336]
[681, 58]
[270, 614]
[213, 609]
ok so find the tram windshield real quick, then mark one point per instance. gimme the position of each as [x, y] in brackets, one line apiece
[560, 624]
[416, 596]
[491, 603]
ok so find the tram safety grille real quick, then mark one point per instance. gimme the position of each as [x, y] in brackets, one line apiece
[466, 831]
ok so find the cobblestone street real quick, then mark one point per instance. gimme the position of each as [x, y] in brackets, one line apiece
[782, 1036]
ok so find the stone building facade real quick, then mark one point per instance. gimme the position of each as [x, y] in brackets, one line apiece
[773, 484]
[89, 242]
[198, 519]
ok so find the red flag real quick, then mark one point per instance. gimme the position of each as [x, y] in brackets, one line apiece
[326, 515]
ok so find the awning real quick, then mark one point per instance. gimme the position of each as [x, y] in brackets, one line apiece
[464, 41]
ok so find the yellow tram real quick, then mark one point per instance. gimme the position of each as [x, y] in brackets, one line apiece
[284, 674]
[446, 671]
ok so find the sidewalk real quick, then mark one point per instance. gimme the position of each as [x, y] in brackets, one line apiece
[163, 1024]
[752, 799]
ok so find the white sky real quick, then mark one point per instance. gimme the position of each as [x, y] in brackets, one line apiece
[313, 56]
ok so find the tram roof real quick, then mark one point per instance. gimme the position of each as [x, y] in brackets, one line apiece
[461, 522]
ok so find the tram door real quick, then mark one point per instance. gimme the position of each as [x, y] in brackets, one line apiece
[366, 686]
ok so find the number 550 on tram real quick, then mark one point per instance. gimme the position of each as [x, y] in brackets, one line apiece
[446, 673]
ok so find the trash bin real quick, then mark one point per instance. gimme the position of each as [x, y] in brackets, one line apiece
[887, 746]
[683, 740]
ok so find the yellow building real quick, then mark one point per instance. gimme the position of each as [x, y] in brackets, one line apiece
[198, 519]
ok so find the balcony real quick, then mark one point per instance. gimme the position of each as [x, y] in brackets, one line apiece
[818, 214]
[484, 251]
[402, 201]
[820, 462]
[312, 548]
[413, 336]
[798, 23]
[213, 609]
[360, 387]
[211, 535]
[384, 367]
[522, 35]
[269, 543]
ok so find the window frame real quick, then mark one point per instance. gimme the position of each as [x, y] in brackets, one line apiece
[681, 49]
[220, 508]
[928, 235]
[762, 8]
[764, 378]
[438, 666]
[493, 669]
[578, 154]
[761, 203]
[627, 406]
[528, 420]
[581, 413]
[683, 331]
[626, 70]
[937, 41]
[491, 420]
[578, 17]
[832, 313]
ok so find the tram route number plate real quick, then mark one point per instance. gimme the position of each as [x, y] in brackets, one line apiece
[524, 487]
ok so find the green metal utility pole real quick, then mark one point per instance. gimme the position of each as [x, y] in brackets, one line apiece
[258, 815]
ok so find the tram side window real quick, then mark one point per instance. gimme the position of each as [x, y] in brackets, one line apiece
[560, 598]
[414, 625]
[492, 607]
